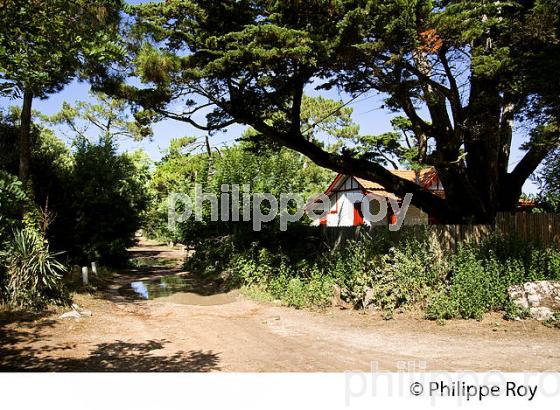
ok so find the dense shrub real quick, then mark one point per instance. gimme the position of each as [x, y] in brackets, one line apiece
[369, 271]
[213, 256]
[388, 276]
[11, 196]
[301, 285]
[88, 201]
[480, 276]
[33, 275]
[406, 276]
[107, 196]
[476, 287]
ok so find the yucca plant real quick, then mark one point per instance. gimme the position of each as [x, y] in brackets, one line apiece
[33, 274]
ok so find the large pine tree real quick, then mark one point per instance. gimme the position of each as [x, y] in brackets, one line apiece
[464, 73]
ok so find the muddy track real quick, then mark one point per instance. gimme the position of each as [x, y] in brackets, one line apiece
[124, 334]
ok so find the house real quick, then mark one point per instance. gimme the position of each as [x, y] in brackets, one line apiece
[347, 192]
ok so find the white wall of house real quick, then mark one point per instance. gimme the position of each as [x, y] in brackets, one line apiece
[342, 210]
[349, 192]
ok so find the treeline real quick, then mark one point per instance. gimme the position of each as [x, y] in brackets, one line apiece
[264, 169]
[87, 200]
[83, 204]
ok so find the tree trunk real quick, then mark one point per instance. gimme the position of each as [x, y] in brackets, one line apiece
[208, 148]
[25, 142]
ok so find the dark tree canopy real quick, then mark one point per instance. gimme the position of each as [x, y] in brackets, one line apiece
[46, 44]
[463, 74]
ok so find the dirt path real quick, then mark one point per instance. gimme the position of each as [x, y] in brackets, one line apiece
[127, 335]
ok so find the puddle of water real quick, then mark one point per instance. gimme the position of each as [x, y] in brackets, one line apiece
[175, 289]
[187, 298]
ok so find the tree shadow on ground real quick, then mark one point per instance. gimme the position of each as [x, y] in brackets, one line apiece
[21, 350]
[117, 356]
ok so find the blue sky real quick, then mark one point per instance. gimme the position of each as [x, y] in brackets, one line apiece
[367, 113]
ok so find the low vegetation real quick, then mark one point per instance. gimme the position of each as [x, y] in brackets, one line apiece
[375, 273]
[31, 274]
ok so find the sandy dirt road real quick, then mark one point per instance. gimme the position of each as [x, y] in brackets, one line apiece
[242, 335]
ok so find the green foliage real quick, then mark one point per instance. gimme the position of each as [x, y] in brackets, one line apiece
[107, 196]
[11, 196]
[353, 264]
[45, 44]
[262, 169]
[51, 164]
[88, 202]
[482, 274]
[260, 57]
[528, 261]
[326, 120]
[475, 289]
[275, 171]
[109, 117]
[33, 274]
[513, 311]
[554, 321]
[384, 273]
[549, 184]
[213, 256]
[264, 273]
[391, 148]
[407, 276]
[177, 172]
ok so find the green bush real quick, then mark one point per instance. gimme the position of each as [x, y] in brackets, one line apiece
[404, 276]
[212, 257]
[263, 272]
[370, 272]
[351, 266]
[11, 196]
[537, 261]
[407, 276]
[93, 196]
[107, 195]
[480, 276]
[33, 275]
[473, 289]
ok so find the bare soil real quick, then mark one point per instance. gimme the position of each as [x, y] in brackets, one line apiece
[212, 331]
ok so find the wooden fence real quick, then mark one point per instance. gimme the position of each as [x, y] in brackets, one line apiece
[541, 228]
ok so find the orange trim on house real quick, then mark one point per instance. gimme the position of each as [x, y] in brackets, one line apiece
[358, 215]
[332, 185]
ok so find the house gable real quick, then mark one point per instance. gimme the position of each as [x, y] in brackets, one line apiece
[346, 191]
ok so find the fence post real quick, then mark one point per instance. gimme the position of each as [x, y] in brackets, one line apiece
[85, 274]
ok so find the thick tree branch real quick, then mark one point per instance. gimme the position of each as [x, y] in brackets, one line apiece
[421, 128]
[506, 133]
[434, 96]
[423, 76]
[454, 94]
[296, 103]
[529, 164]
[189, 120]
[362, 168]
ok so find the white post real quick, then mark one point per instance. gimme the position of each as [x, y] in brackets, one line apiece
[85, 272]
[94, 268]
